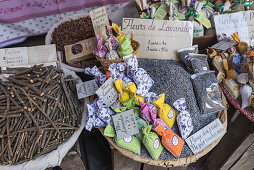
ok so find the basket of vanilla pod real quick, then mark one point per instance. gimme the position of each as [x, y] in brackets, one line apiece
[116, 46]
[234, 65]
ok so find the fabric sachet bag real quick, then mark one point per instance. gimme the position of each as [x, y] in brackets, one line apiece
[141, 125]
[165, 111]
[171, 141]
[124, 96]
[184, 120]
[130, 143]
[152, 142]
[207, 92]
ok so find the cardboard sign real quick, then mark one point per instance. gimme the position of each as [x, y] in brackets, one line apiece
[108, 91]
[125, 124]
[86, 89]
[241, 22]
[224, 45]
[99, 19]
[159, 39]
[206, 136]
[80, 50]
[23, 56]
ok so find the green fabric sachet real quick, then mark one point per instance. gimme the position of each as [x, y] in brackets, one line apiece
[130, 143]
[127, 106]
[152, 142]
[141, 124]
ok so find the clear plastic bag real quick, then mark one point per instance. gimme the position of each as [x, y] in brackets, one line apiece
[207, 92]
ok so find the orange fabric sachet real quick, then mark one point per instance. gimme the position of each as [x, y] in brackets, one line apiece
[171, 141]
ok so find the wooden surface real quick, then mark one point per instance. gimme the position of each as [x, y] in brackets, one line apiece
[246, 161]
[241, 150]
[236, 134]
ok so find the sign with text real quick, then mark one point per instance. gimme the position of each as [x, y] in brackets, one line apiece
[159, 39]
[108, 91]
[125, 124]
[22, 56]
[86, 89]
[99, 19]
[206, 136]
[241, 22]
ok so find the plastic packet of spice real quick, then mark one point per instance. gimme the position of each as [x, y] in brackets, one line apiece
[207, 92]
[198, 62]
[184, 54]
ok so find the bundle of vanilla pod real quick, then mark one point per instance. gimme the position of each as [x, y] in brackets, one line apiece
[39, 110]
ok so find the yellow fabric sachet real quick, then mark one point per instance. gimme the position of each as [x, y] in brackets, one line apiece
[165, 112]
[117, 29]
[131, 87]
[124, 95]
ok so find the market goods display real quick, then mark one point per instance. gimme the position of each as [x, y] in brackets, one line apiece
[235, 72]
[39, 111]
[160, 112]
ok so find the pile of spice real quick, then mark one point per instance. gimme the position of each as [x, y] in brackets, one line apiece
[71, 32]
[39, 110]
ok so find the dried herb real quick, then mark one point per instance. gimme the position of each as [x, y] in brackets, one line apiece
[39, 110]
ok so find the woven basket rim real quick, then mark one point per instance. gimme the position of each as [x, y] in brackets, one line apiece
[173, 162]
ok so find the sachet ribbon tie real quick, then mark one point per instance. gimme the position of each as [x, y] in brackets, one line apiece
[165, 112]
[184, 119]
[117, 29]
[242, 46]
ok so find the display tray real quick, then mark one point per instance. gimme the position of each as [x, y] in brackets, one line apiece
[174, 87]
[248, 112]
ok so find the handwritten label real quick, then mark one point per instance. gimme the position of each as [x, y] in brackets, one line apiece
[86, 89]
[241, 22]
[99, 19]
[23, 56]
[159, 39]
[125, 124]
[80, 50]
[224, 45]
[108, 91]
[13, 56]
[206, 136]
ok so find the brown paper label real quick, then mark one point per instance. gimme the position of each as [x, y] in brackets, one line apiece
[159, 39]
[80, 50]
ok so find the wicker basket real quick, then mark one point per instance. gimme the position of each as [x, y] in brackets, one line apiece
[172, 162]
[106, 62]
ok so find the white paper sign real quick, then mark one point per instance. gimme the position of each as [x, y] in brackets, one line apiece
[125, 124]
[99, 19]
[86, 89]
[13, 56]
[108, 91]
[23, 56]
[241, 22]
[206, 136]
[159, 39]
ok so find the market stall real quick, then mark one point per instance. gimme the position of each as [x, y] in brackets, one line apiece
[156, 82]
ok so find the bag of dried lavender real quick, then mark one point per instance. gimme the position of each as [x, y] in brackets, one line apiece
[207, 92]
[198, 62]
[184, 54]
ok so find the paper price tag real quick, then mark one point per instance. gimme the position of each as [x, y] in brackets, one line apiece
[203, 20]
[99, 19]
[13, 56]
[108, 91]
[223, 45]
[125, 124]
[86, 89]
[206, 136]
